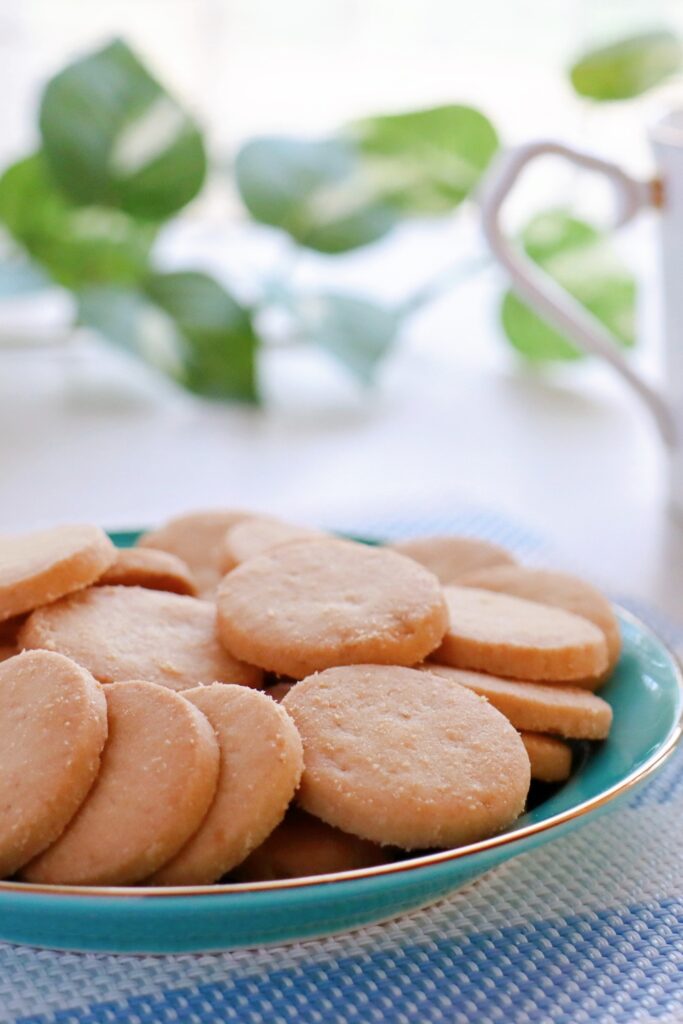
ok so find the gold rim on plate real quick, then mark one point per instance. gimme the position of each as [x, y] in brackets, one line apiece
[411, 864]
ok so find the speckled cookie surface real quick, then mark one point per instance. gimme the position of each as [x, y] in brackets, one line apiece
[36, 568]
[261, 761]
[53, 726]
[122, 633]
[313, 604]
[156, 782]
[450, 557]
[196, 538]
[567, 711]
[559, 589]
[149, 568]
[403, 757]
[510, 636]
[302, 846]
[257, 535]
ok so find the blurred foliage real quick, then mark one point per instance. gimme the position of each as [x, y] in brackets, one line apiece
[119, 157]
[627, 68]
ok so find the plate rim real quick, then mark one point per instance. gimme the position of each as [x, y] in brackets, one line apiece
[439, 857]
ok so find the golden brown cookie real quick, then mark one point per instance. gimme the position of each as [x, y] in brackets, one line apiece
[151, 569]
[122, 633]
[257, 535]
[309, 605]
[155, 785]
[449, 557]
[302, 846]
[510, 636]
[405, 758]
[558, 589]
[53, 725]
[260, 767]
[550, 758]
[36, 568]
[196, 539]
[567, 711]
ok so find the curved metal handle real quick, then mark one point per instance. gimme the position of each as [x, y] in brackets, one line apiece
[542, 292]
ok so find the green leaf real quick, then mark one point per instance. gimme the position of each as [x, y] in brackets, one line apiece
[219, 341]
[582, 260]
[316, 191]
[357, 332]
[185, 324]
[427, 161]
[76, 245]
[113, 137]
[628, 67]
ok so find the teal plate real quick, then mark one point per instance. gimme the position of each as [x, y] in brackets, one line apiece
[646, 694]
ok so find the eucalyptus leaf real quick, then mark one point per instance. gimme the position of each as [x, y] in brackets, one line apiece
[581, 259]
[76, 245]
[219, 341]
[628, 67]
[112, 136]
[357, 332]
[316, 191]
[427, 161]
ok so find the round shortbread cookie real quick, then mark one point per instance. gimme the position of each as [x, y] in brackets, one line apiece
[122, 633]
[261, 761]
[535, 707]
[151, 569]
[156, 783]
[449, 557]
[196, 539]
[258, 535]
[37, 568]
[53, 726]
[558, 589]
[310, 605]
[302, 846]
[510, 636]
[402, 757]
[549, 757]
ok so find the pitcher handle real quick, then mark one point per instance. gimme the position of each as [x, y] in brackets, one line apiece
[547, 297]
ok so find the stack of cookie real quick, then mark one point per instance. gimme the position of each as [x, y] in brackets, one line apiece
[163, 708]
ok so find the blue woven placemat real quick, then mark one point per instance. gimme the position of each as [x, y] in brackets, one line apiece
[586, 929]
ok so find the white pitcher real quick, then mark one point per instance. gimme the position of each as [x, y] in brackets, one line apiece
[560, 309]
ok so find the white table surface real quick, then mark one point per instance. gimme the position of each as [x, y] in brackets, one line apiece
[575, 458]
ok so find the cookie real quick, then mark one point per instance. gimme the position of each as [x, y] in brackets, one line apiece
[36, 568]
[449, 557]
[314, 604]
[196, 539]
[122, 633]
[53, 726]
[156, 782]
[278, 691]
[405, 758]
[510, 636]
[151, 569]
[257, 535]
[558, 589]
[302, 846]
[567, 711]
[260, 767]
[550, 758]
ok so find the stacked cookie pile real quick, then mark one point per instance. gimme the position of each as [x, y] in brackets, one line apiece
[163, 708]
